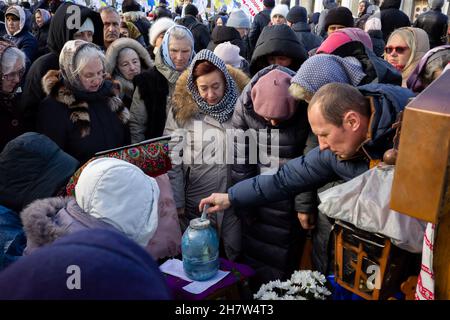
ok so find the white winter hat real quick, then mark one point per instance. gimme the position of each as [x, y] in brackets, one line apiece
[280, 9]
[122, 195]
[229, 53]
[159, 26]
[88, 25]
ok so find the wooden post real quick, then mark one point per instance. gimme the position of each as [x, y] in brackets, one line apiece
[421, 186]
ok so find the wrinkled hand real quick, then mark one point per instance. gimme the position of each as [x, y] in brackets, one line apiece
[216, 202]
[307, 221]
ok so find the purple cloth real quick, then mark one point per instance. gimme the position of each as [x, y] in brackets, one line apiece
[238, 272]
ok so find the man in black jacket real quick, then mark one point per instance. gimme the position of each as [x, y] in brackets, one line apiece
[434, 22]
[261, 20]
[199, 30]
[392, 17]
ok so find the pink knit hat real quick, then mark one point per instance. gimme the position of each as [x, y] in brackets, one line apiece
[343, 36]
[271, 98]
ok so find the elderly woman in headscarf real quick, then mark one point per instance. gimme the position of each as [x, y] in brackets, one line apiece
[154, 88]
[82, 112]
[404, 49]
[429, 68]
[125, 59]
[42, 18]
[203, 103]
[12, 69]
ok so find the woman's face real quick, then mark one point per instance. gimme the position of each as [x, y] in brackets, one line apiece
[219, 22]
[278, 19]
[279, 60]
[12, 23]
[129, 64]
[11, 79]
[397, 52]
[211, 87]
[39, 19]
[180, 52]
[92, 75]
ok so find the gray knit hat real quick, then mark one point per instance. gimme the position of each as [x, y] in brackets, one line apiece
[238, 19]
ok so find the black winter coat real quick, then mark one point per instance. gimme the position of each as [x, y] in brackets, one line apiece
[392, 17]
[101, 119]
[58, 35]
[41, 35]
[261, 20]
[305, 36]
[272, 235]
[435, 23]
[199, 31]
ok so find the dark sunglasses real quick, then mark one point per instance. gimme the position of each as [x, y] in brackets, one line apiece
[399, 50]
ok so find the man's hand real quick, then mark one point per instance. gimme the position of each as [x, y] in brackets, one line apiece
[307, 221]
[216, 201]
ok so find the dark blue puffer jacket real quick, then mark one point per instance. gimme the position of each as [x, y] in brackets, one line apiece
[317, 168]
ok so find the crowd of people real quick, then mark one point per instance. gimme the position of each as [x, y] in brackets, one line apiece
[313, 97]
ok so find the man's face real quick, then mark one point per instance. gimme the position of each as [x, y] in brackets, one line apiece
[342, 141]
[111, 26]
[334, 27]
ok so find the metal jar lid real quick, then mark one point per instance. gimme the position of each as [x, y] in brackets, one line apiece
[199, 223]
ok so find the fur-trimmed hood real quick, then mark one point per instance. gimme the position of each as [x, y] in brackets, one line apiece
[112, 54]
[54, 86]
[46, 220]
[184, 106]
[111, 63]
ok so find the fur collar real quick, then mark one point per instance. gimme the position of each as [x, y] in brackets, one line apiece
[39, 220]
[184, 106]
[79, 110]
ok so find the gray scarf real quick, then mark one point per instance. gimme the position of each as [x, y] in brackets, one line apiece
[223, 110]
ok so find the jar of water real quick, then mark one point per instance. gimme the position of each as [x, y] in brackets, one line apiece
[200, 250]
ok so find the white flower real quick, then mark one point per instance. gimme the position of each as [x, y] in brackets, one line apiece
[303, 284]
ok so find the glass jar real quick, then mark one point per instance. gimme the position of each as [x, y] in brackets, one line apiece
[200, 250]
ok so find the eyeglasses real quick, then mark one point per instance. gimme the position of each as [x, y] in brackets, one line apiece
[399, 50]
[14, 74]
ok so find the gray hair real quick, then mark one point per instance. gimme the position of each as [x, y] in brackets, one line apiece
[10, 57]
[180, 33]
[109, 9]
[85, 55]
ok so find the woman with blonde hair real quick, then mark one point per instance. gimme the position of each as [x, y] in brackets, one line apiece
[404, 49]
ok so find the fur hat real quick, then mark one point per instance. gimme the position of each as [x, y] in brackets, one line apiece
[271, 98]
[190, 10]
[341, 16]
[280, 9]
[159, 26]
[297, 14]
[238, 19]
